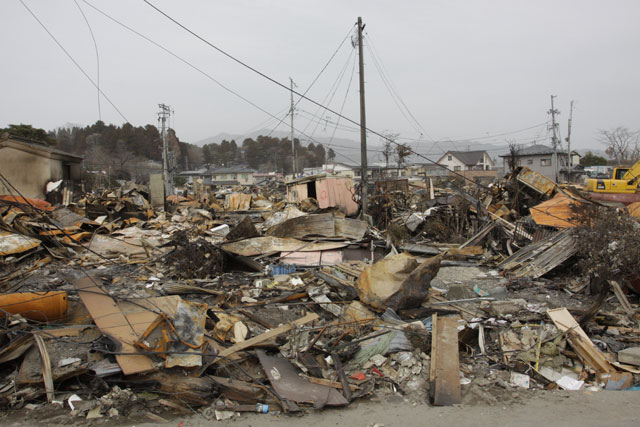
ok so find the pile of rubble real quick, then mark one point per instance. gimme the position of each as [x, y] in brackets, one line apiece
[242, 301]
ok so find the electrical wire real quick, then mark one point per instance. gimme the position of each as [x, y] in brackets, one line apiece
[344, 101]
[384, 75]
[462, 176]
[465, 178]
[199, 70]
[95, 46]
[313, 82]
[332, 89]
[391, 91]
[66, 52]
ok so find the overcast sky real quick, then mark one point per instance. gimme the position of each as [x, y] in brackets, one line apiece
[465, 69]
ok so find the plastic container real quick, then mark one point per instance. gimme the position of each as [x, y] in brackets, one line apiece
[279, 269]
[40, 306]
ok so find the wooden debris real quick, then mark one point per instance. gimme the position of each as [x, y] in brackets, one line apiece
[540, 257]
[444, 368]
[622, 298]
[579, 340]
[259, 339]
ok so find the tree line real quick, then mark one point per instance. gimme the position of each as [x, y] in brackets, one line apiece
[132, 152]
[265, 154]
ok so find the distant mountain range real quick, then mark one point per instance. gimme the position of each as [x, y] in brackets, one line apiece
[348, 150]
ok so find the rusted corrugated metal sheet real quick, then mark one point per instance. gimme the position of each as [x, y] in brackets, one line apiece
[555, 212]
[297, 192]
[237, 202]
[537, 181]
[329, 192]
[634, 209]
[36, 203]
[336, 192]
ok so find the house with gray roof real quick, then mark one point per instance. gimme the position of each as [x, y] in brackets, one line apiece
[466, 160]
[540, 158]
[233, 175]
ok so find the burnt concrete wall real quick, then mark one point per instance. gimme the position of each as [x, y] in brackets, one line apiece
[27, 172]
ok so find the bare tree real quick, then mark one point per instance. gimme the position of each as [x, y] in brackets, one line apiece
[514, 154]
[621, 143]
[388, 144]
[402, 151]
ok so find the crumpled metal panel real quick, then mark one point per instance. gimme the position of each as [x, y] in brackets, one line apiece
[536, 181]
[11, 243]
[290, 386]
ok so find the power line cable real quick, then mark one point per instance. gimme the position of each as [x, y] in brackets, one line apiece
[244, 64]
[344, 101]
[333, 88]
[73, 60]
[95, 46]
[313, 82]
[384, 75]
[387, 85]
[204, 73]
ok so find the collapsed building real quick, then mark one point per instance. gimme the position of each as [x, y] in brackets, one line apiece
[284, 301]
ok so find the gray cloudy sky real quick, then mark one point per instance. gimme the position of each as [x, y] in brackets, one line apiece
[465, 69]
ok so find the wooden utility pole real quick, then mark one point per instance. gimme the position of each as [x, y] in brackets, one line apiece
[554, 128]
[363, 125]
[163, 117]
[293, 146]
[570, 157]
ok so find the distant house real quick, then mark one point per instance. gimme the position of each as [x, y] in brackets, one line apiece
[338, 169]
[466, 160]
[539, 158]
[193, 175]
[233, 175]
[265, 178]
[29, 165]
[427, 170]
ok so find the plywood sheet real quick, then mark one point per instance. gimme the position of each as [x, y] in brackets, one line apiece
[265, 244]
[313, 258]
[111, 322]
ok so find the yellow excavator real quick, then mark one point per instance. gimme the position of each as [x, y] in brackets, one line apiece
[622, 187]
[623, 180]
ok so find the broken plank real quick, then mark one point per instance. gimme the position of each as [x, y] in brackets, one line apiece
[111, 322]
[579, 340]
[224, 354]
[622, 298]
[329, 383]
[446, 370]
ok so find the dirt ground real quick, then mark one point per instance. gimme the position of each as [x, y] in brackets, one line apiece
[533, 408]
